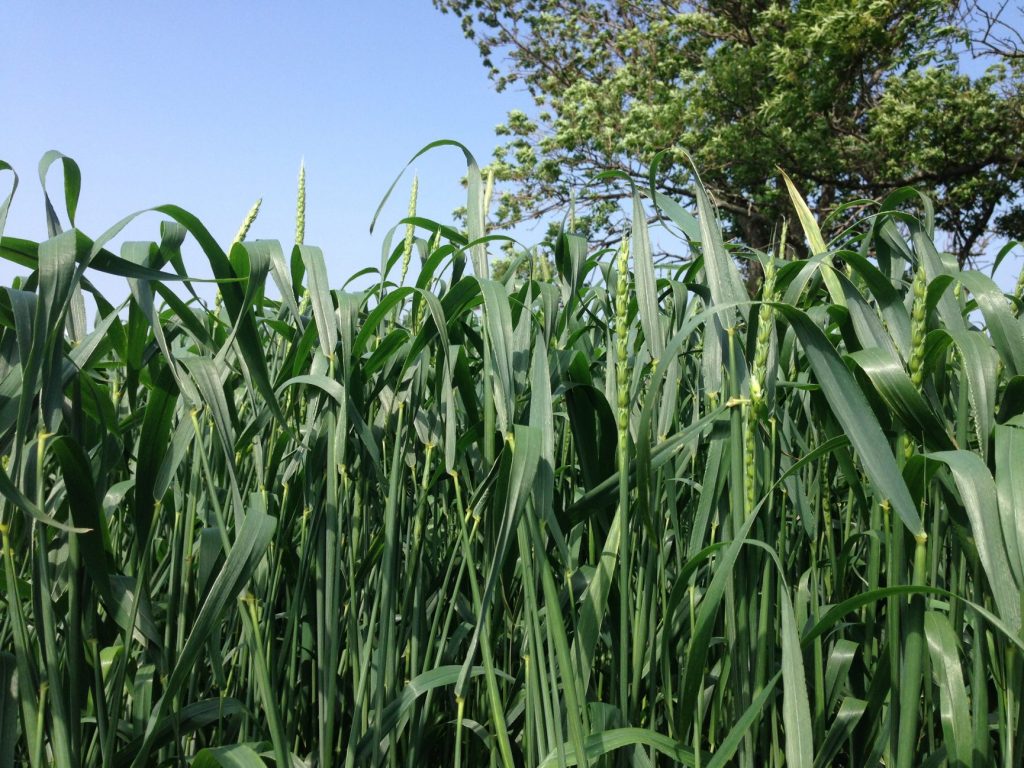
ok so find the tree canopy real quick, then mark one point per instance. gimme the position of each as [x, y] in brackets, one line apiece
[852, 98]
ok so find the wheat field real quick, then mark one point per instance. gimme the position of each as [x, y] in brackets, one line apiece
[625, 514]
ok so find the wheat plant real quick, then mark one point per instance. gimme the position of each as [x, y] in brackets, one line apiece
[630, 515]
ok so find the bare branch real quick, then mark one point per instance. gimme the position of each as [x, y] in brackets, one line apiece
[995, 35]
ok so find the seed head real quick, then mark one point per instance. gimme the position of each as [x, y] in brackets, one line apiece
[300, 207]
[250, 217]
[488, 194]
[764, 337]
[410, 229]
[918, 326]
[765, 319]
[622, 336]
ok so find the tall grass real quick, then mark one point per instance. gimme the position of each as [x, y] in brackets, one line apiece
[625, 516]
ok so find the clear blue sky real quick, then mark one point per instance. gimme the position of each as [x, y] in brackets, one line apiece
[211, 105]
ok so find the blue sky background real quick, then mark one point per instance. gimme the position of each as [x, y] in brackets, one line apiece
[211, 105]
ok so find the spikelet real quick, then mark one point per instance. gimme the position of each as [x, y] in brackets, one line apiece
[918, 321]
[421, 310]
[749, 451]
[765, 317]
[543, 267]
[300, 227]
[243, 230]
[249, 219]
[300, 207]
[410, 229]
[622, 344]
[758, 375]
[488, 194]
[918, 318]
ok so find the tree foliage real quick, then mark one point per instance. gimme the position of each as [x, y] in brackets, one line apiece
[852, 98]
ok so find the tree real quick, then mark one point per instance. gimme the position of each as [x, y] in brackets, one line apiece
[852, 98]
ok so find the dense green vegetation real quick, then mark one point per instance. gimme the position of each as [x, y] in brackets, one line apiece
[853, 98]
[625, 516]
